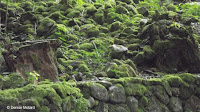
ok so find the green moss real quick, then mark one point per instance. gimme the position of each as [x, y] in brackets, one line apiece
[99, 17]
[40, 9]
[1, 82]
[154, 81]
[87, 46]
[31, 102]
[133, 47]
[121, 10]
[136, 89]
[139, 58]
[148, 52]
[91, 9]
[172, 7]
[45, 26]
[13, 80]
[44, 109]
[173, 80]
[143, 101]
[83, 68]
[188, 78]
[93, 32]
[38, 95]
[56, 15]
[36, 61]
[167, 88]
[104, 29]
[73, 14]
[27, 6]
[115, 26]
[61, 68]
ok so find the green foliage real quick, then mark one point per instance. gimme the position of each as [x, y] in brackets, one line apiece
[32, 76]
[80, 2]
[151, 5]
[175, 24]
[190, 9]
[124, 17]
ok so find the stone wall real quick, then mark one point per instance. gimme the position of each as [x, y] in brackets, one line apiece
[171, 93]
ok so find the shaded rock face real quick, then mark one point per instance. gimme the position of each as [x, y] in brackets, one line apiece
[175, 104]
[175, 48]
[32, 56]
[192, 104]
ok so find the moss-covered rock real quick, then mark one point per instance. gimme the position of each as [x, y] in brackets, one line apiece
[117, 94]
[45, 97]
[136, 89]
[40, 9]
[99, 92]
[174, 81]
[56, 16]
[45, 27]
[73, 14]
[87, 46]
[99, 17]
[92, 32]
[13, 80]
[83, 68]
[121, 10]
[91, 9]
[144, 11]
[115, 26]
[175, 104]
[126, 1]
[132, 103]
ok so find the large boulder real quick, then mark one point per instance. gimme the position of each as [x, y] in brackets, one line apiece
[30, 56]
[46, 27]
[117, 94]
[99, 92]
[132, 103]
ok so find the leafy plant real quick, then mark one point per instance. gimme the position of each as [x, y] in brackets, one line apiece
[190, 9]
[33, 76]
[80, 2]
[175, 24]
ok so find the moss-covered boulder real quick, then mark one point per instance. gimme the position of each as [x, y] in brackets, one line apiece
[115, 26]
[117, 94]
[46, 27]
[144, 11]
[14, 80]
[91, 9]
[46, 97]
[99, 92]
[175, 104]
[132, 103]
[118, 51]
[99, 17]
[136, 89]
[92, 32]
[120, 70]
[121, 10]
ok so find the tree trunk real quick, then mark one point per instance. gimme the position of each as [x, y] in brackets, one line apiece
[6, 17]
[0, 19]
